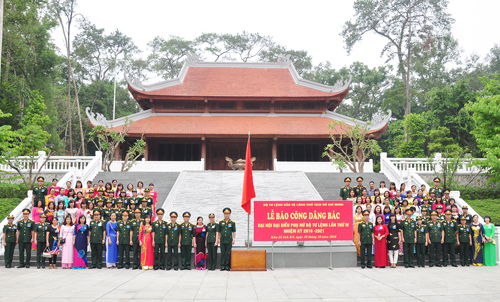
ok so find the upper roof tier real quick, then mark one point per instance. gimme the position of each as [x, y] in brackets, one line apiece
[237, 81]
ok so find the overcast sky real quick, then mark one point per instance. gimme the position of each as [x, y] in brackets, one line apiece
[310, 25]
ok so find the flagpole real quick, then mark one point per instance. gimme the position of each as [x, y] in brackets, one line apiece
[248, 221]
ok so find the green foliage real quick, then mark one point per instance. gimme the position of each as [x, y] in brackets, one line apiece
[475, 193]
[7, 205]
[8, 190]
[302, 61]
[486, 115]
[353, 154]
[167, 56]
[490, 207]
[412, 145]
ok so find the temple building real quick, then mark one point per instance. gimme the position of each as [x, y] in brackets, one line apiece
[208, 111]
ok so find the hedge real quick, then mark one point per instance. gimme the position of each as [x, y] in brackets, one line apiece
[475, 193]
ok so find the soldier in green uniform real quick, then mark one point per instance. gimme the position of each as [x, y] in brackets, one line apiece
[40, 240]
[436, 239]
[450, 229]
[446, 197]
[421, 239]
[427, 207]
[9, 240]
[97, 236]
[187, 234]
[468, 217]
[173, 242]
[100, 194]
[132, 206]
[212, 229]
[39, 192]
[344, 191]
[106, 212]
[437, 189]
[134, 197]
[225, 239]
[424, 215]
[432, 197]
[145, 210]
[123, 231]
[118, 210]
[124, 199]
[464, 241]
[90, 198]
[148, 198]
[99, 204]
[439, 210]
[159, 240]
[365, 230]
[359, 188]
[25, 228]
[135, 226]
[408, 227]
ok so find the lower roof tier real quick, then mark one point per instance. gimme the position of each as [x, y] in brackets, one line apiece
[234, 125]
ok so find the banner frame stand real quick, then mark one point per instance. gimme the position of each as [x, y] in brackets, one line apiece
[272, 256]
[331, 265]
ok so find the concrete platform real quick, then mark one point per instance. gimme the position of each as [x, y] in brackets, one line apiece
[301, 285]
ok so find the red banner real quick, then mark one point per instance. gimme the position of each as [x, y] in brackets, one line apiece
[303, 220]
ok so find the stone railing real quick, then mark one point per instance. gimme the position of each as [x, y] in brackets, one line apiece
[55, 164]
[427, 166]
[161, 166]
[310, 166]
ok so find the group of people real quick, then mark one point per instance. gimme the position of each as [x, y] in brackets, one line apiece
[390, 222]
[79, 224]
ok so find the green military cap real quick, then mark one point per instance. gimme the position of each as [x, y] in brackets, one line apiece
[446, 192]
[109, 200]
[434, 213]
[419, 217]
[134, 190]
[359, 178]
[439, 206]
[186, 214]
[426, 198]
[10, 216]
[137, 211]
[366, 212]
[96, 212]
[211, 215]
[110, 191]
[125, 213]
[123, 191]
[160, 211]
[173, 214]
[146, 190]
[40, 179]
[26, 211]
[100, 200]
[119, 201]
[432, 192]
[144, 200]
[448, 211]
[91, 190]
[347, 179]
[408, 211]
[226, 211]
[423, 210]
[465, 208]
[100, 190]
[43, 215]
[437, 179]
[463, 217]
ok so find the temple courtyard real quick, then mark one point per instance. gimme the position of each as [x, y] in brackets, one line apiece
[314, 284]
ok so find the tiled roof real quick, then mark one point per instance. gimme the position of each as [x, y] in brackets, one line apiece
[281, 126]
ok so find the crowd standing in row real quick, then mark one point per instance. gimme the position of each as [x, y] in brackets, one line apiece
[434, 225]
[70, 224]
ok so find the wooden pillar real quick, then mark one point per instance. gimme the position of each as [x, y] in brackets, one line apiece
[207, 109]
[271, 108]
[146, 150]
[152, 105]
[117, 152]
[274, 152]
[204, 151]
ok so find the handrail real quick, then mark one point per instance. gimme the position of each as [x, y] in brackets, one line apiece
[390, 170]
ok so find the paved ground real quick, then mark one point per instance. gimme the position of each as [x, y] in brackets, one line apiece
[318, 284]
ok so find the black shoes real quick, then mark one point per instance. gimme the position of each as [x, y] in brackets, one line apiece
[454, 265]
[176, 269]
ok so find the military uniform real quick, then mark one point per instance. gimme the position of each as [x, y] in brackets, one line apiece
[41, 238]
[24, 229]
[173, 231]
[408, 228]
[365, 230]
[450, 228]
[106, 214]
[421, 232]
[438, 191]
[187, 233]
[123, 228]
[118, 212]
[135, 226]
[435, 230]
[146, 211]
[464, 233]
[427, 207]
[160, 231]
[97, 233]
[359, 190]
[212, 229]
[39, 193]
[344, 192]
[468, 219]
[10, 239]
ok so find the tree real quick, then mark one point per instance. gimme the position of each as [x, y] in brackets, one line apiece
[215, 44]
[402, 24]
[247, 45]
[301, 59]
[366, 90]
[493, 59]
[453, 156]
[167, 56]
[20, 148]
[412, 145]
[486, 114]
[107, 141]
[351, 145]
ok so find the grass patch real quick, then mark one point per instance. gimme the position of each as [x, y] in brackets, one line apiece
[490, 207]
[7, 205]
